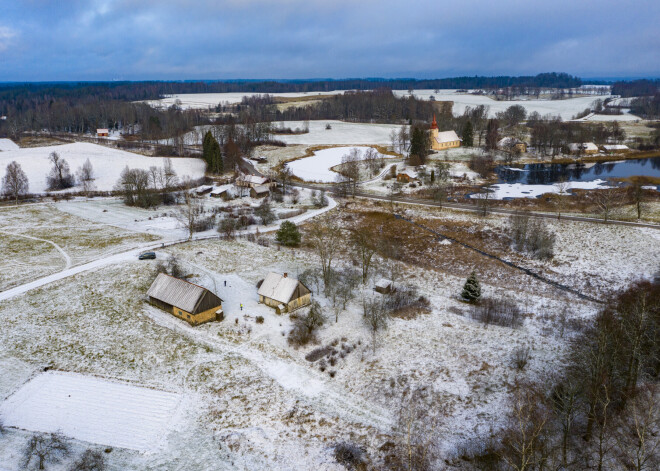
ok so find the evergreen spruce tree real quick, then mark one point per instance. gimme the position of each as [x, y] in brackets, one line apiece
[468, 135]
[206, 148]
[215, 156]
[472, 289]
[288, 234]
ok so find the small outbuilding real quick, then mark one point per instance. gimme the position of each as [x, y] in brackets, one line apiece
[250, 181]
[384, 286]
[616, 148]
[512, 144]
[102, 132]
[259, 191]
[185, 300]
[283, 293]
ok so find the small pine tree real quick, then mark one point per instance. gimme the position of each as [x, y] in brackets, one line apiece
[288, 234]
[432, 176]
[206, 147]
[468, 135]
[215, 155]
[472, 289]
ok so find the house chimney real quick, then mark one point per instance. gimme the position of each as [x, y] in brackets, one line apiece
[285, 275]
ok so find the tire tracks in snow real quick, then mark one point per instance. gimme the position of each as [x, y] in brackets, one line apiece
[302, 382]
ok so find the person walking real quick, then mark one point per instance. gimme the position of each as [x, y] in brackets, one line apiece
[241, 306]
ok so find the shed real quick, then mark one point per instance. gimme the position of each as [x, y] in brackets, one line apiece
[222, 191]
[102, 132]
[384, 286]
[259, 191]
[283, 293]
[616, 147]
[204, 189]
[185, 300]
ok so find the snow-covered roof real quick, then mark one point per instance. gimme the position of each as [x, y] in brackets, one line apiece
[384, 283]
[409, 171]
[574, 146]
[102, 131]
[280, 287]
[220, 189]
[176, 292]
[252, 179]
[447, 136]
[509, 141]
[203, 189]
[261, 189]
[615, 147]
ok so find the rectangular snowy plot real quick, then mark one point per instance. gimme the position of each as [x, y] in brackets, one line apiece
[91, 409]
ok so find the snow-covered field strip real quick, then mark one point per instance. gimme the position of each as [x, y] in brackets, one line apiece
[565, 108]
[65, 256]
[206, 100]
[8, 144]
[106, 162]
[340, 133]
[91, 409]
[317, 168]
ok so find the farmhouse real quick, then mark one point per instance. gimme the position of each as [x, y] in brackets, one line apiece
[250, 181]
[512, 144]
[185, 300]
[283, 293]
[102, 132]
[443, 140]
[406, 175]
[583, 148]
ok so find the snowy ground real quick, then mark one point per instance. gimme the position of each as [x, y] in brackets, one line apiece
[341, 133]
[8, 144]
[106, 162]
[626, 116]
[211, 100]
[564, 108]
[317, 168]
[92, 409]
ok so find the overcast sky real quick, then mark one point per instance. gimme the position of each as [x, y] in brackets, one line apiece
[42, 40]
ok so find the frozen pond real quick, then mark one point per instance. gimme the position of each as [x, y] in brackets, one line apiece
[316, 168]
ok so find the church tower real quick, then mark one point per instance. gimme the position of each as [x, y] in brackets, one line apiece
[434, 133]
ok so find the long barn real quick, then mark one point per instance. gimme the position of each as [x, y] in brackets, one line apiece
[187, 301]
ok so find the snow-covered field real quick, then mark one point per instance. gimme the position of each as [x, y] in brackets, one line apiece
[564, 108]
[626, 116]
[106, 162]
[8, 144]
[92, 409]
[341, 133]
[211, 100]
[317, 168]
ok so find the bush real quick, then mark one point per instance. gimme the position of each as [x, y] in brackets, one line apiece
[496, 311]
[349, 455]
[520, 357]
[531, 235]
[318, 353]
[304, 326]
[260, 319]
[288, 234]
[405, 300]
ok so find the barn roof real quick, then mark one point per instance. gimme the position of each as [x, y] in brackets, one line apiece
[101, 131]
[176, 292]
[259, 189]
[447, 136]
[574, 146]
[279, 287]
[253, 179]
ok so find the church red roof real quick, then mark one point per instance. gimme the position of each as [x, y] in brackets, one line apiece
[434, 125]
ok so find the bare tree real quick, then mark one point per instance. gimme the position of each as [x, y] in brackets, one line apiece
[636, 195]
[59, 177]
[606, 200]
[43, 449]
[375, 317]
[562, 187]
[169, 175]
[86, 176]
[484, 201]
[15, 182]
[189, 214]
[364, 246]
[89, 461]
[638, 440]
[351, 168]
[326, 240]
